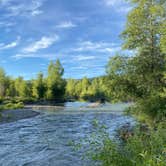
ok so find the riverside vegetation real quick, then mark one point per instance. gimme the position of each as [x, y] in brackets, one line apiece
[140, 78]
[53, 88]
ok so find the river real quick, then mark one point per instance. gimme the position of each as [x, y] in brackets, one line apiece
[44, 140]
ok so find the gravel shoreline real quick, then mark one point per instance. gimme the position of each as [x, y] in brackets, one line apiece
[8, 116]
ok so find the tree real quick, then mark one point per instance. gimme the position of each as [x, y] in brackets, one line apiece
[39, 87]
[21, 87]
[98, 89]
[71, 89]
[2, 83]
[84, 87]
[143, 75]
[55, 82]
[143, 34]
[120, 85]
[10, 91]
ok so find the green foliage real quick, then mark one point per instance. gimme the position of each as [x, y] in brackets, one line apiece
[39, 87]
[144, 25]
[2, 83]
[140, 78]
[146, 146]
[71, 91]
[163, 36]
[9, 105]
[55, 83]
[118, 73]
[143, 75]
[150, 111]
[95, 89]
[21, 87]
[52, 87]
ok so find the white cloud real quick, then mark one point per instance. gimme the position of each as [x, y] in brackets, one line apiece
[22, 7]
[66, 24]
[6, 24]
[36, 12]
[83, 57]
[13, 44]
[20, 56]
[79, 67]
[115, 3]
[97, 47]
[44, 42]
[33, 55]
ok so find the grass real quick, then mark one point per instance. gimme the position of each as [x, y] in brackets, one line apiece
[145, 147]
[8, 105]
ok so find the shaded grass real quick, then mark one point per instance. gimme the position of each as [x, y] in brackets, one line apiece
[11, 104]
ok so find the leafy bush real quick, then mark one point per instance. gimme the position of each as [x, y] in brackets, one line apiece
[151, 110]
[154, 107]
[10, 105]
[19, 105]
[142, 149]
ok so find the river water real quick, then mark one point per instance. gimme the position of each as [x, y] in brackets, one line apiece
[44, 140]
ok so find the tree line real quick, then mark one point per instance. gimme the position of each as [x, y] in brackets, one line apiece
[54, 87]
[51, 87]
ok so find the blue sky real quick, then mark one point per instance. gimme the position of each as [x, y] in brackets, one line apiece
[83, 34]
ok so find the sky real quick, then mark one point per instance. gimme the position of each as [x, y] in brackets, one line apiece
[83, 34]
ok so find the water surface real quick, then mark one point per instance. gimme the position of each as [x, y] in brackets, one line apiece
[44, 140]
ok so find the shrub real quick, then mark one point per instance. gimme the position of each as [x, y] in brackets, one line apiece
[141, 149]
[154, 107]
[10, 105]
[19, 105]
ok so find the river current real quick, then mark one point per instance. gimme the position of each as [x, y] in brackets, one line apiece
[44, 140]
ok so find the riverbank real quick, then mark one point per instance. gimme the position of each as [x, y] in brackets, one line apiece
[8, 116]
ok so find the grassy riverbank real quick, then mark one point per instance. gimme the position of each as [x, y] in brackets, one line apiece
[13, 109]
[7, 104]
[142, 145]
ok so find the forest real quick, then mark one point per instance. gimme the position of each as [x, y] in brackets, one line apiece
[53, 87]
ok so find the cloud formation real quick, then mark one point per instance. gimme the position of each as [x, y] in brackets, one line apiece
[66, 24]
[102, 47]
[88, 36]
[13, 44]
[33, 55]
[83, 57]
[22, 7]
[43, 43]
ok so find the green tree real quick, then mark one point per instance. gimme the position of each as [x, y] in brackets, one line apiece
[85, 83]
[143, 34]
[39, 87]
[120, 85]
[11, 91]
[2, 83]
[55, 82]
[142, 75]
[21, 87]
[71, 89]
